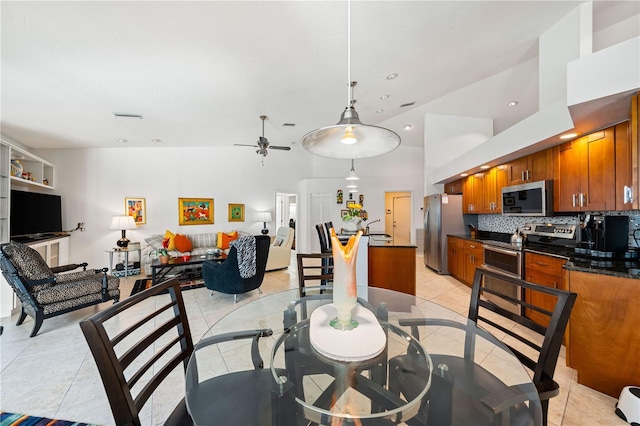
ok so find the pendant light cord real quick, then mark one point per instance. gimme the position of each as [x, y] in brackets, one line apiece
[349, 87]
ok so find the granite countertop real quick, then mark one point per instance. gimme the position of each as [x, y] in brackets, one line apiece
[397, 242]
[624, 268]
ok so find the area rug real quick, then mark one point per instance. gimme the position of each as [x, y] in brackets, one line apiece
[145, 283]
[11, 419]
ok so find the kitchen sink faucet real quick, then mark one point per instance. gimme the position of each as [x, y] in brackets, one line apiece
[370, 223]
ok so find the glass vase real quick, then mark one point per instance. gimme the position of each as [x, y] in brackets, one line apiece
[345, 291]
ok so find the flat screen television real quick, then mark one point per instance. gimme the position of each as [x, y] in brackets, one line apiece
[35, 213]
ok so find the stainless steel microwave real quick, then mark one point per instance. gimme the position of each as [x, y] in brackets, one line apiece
[528, 199]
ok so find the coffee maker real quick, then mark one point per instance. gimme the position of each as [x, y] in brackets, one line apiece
[605, 233]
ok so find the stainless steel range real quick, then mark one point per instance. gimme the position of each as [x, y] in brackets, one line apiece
[508, 259]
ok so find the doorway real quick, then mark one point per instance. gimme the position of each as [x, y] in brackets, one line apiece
[398, 215]
[286, 211]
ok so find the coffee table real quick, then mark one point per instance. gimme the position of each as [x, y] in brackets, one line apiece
[160, 270]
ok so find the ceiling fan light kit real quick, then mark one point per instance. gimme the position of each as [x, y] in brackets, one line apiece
[350, 138]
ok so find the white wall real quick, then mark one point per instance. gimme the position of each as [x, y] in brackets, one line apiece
[94, 182]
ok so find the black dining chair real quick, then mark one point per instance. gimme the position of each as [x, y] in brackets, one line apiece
[314, 269]
[157, 340]
[462, 391]
[327, 227]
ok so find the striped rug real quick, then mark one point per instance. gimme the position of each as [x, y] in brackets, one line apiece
[11, 419]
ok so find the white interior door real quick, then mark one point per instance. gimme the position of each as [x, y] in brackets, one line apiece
[320, 212]
[399, 225]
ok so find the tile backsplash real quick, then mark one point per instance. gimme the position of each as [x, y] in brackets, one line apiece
[509, 224]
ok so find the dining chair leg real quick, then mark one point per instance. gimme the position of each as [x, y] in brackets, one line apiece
[259, 291]
[211, 294]
[235, 298]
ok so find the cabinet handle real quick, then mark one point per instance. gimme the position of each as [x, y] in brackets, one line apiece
[574, 199]
[522, 175]
[472, 246]
[528, 177]
[542, 263]
[582, 197]
[555, 284]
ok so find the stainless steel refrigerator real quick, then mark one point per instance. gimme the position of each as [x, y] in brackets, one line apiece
[442, 216]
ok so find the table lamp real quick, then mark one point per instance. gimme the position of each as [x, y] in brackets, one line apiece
[123, 223]
[264, 217]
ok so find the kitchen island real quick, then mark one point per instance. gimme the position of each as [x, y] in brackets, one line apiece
[392, 263]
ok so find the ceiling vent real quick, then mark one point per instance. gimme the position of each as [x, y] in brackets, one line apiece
[127, 115]
[407, 104]
[289, 125]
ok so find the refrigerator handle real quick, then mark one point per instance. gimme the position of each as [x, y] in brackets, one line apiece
[426, 220]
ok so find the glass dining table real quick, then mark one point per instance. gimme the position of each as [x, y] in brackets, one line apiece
[334, 383]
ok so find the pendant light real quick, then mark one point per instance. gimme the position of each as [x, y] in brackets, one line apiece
[350, 138]
[352, 174]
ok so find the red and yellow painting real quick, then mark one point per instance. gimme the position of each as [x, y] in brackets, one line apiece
[195, 211]
[136, 207]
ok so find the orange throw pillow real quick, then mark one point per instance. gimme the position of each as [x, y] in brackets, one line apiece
[183, 243]
[225, 239]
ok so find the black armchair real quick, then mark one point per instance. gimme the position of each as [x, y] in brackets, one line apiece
[225, 277]
[45, 292]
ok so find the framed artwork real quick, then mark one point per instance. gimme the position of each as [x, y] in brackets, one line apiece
[344, 213]
[236, 212]
[350, 202]
[136, 207]
[195, 211]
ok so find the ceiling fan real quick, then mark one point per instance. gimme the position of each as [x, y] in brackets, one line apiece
[263, 143]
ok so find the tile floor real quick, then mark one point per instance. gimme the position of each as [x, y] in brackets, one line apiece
[53, 374]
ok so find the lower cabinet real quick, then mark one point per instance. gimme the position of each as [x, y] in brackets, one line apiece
[603, 331]
[393, 268]
[547, 271]
[464, 257]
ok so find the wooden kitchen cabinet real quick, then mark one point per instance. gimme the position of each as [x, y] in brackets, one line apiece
[532, 168]
[585, 173]
[547, 271]
[473, 193]
[624, 166]
[455, 257]
[493, 182]
[603, 343]
[393, 268]
[454, 187]
[473, 257]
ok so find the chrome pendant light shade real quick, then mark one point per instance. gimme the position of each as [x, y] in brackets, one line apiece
[350, 138]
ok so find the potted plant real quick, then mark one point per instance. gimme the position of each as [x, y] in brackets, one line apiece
[163, 253]
[354, 216]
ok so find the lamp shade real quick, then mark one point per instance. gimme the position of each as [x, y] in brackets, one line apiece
[122, 223]
[370, 141]
[264, 217]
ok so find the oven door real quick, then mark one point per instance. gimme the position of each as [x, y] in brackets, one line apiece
[508, 263]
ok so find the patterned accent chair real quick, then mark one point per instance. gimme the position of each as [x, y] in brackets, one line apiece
[45, 292]
[225, 277]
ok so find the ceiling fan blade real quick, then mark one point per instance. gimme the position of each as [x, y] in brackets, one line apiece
[283, 148]
[242, 144]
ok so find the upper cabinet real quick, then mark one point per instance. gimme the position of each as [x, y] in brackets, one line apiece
[473, 193]
[532, 168]
[585, 174]
[454, 187]
[494, 180]
[27, 169]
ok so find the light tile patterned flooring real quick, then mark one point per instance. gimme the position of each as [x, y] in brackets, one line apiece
[54, 375]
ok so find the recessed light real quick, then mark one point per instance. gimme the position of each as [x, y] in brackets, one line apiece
[512, 103]
[156, 140]
[485, 167]
[379, 111]
[122, 140]
[464, 174]
[568, 136]
[384, 97]
[408, 126]
[392, 76]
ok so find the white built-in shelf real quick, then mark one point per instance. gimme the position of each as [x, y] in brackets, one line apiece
[40, 171]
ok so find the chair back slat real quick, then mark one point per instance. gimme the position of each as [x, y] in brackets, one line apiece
[314, 269]
[551, 336]
[157, 351]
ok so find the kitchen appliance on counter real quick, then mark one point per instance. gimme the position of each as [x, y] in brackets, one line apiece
[528, 199]
[443, 216]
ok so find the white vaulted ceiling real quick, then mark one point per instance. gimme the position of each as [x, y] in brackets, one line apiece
[201, 73]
